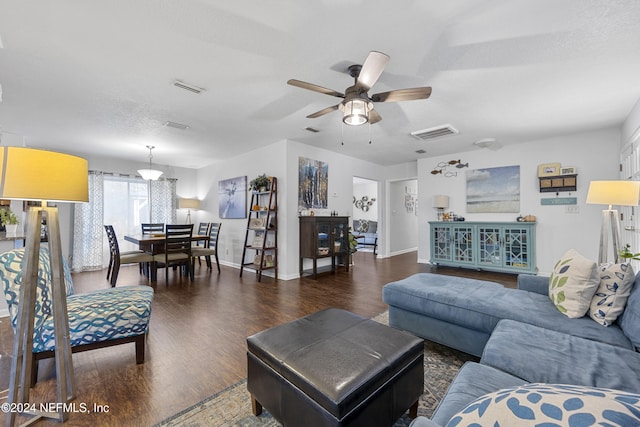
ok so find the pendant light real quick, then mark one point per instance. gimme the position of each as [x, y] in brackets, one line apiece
[150, 174]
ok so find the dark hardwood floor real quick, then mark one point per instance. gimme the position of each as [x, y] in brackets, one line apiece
[196, 345]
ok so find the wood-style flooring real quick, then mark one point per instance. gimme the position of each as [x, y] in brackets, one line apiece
[196, 345]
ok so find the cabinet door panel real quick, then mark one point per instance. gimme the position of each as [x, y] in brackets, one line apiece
[441, 243]
[463, 242]
[490, 248]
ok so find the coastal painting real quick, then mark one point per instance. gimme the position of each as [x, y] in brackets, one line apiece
[232, 198]
[493, 190]
[313, 184]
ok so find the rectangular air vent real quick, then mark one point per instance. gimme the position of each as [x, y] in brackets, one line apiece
[176, 125]
[421, 151]
[310, 129]
[186, 86]
[435, 132]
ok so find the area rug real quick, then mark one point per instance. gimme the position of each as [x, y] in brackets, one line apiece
[232, 406]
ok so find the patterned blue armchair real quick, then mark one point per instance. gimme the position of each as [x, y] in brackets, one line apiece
[97, 319]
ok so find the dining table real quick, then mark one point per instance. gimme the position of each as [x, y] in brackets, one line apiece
[154, 244]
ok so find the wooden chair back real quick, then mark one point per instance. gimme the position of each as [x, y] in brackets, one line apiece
[152, 228]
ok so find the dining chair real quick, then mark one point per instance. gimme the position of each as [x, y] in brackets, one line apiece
[177, 249]
[210, 247]
[118, 258]
[203, 230]
[152, 228]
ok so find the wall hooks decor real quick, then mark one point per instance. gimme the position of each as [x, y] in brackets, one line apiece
[441, 168]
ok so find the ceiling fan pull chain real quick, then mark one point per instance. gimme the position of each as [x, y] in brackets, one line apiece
[342, 138]
[369, 133]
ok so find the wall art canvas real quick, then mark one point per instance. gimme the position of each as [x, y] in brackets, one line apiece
[313, 184]
[232, 198]
[493, 190]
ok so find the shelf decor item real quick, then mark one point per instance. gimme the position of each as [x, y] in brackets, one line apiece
[260, 183]
[9, 221]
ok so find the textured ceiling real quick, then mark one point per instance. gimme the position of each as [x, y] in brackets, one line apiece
[96, 76]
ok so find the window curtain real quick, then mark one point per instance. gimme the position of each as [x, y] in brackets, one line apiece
[163, 201]
[88, 229]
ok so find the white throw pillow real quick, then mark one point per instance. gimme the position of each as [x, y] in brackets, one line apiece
[616, 281]
[551, 405]
[572, 284]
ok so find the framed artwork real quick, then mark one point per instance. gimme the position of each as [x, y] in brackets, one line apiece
[493, 190]
[568, 170]
[549, 169]
[313, 184]
[232, 198]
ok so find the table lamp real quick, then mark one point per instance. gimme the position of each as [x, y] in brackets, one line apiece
[189, 204]
[623, 193]
[30, 174]
[440, 203]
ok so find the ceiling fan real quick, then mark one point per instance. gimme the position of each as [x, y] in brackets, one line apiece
[357, 106]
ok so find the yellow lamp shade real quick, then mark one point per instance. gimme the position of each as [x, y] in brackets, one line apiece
[622, 193]
[31, 174]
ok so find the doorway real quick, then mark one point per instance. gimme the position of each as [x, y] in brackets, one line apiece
[365, 208]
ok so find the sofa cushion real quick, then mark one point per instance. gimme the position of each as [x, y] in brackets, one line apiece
[550, 405]
[472, 381]
[479, 305]
[611, 296]
[629, 320]
[572, 284]
[541, 355]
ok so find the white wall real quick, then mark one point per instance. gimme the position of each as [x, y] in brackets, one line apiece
[594, 154]
[403, 223]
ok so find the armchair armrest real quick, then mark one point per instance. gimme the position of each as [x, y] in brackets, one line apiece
[537, 284]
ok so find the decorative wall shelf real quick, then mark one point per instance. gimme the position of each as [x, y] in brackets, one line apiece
[556, 183]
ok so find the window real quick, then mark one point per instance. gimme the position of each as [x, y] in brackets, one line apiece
[126, 206]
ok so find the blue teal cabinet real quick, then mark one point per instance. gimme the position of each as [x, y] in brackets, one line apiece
[496, 246]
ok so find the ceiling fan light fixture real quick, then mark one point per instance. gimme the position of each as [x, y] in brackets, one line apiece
[356, 112]
[150, 174]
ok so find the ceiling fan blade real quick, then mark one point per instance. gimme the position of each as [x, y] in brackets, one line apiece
[323, 112]
[374, 117]
[371, 69]
[315, 88]
[402, 95]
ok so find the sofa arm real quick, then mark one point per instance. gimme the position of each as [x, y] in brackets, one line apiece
[537, 284]
[423, 422]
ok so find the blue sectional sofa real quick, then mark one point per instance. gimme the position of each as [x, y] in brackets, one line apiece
[519, 334]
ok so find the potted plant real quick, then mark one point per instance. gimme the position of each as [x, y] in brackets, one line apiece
[626, 253]
[9, 220]
[260, 183]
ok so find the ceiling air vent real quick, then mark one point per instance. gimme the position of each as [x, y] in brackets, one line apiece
[186, 86]
[435, 132]
[421, 151]
[310, 129]
[176, 125]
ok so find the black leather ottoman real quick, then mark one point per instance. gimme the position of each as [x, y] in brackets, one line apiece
[335, 368]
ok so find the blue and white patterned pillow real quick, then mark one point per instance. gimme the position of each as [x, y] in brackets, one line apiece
[551, 405]
[616, 281]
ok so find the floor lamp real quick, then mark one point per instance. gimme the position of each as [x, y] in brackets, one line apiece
[622, 193]
[30, 174]
[189, 204]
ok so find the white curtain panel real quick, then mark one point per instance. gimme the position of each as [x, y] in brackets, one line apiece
[163, 201]
[88, 230]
